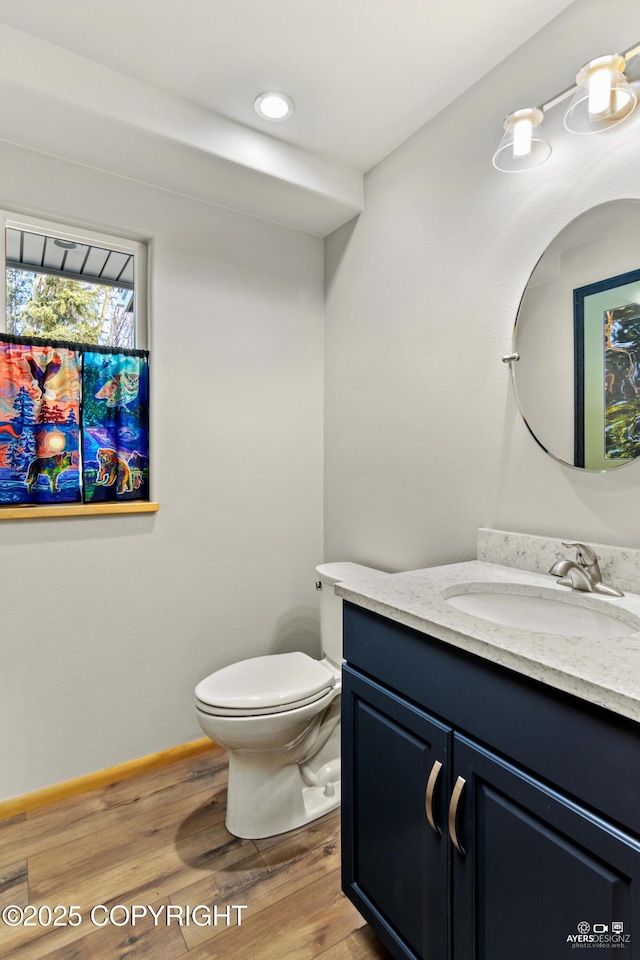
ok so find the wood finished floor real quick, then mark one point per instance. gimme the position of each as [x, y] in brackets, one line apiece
[157, 840]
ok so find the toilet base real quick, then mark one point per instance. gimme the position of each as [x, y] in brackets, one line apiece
[266, 798]
[285, 810]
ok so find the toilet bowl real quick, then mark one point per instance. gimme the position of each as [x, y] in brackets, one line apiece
[278, 717]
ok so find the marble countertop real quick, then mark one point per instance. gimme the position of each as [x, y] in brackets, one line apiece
[605, 672]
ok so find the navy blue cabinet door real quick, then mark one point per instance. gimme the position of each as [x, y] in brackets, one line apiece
[540, 876]
[394, 860]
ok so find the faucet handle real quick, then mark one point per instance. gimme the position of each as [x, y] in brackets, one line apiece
[585, 555]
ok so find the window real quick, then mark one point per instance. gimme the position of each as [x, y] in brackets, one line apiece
[74, 383]
[68, 284]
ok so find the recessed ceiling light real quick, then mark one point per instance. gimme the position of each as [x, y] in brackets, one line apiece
[274, 106]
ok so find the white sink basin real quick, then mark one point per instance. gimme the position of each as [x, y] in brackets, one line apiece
[543, 610]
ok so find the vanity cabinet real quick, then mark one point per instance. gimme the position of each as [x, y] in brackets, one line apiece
[485, 816]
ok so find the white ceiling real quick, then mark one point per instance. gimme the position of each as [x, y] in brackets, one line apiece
[364, 74]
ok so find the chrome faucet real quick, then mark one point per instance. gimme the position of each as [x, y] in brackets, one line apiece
[583, 573]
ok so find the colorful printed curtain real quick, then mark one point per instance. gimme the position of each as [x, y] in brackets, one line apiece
[115, 425]
[74, 422]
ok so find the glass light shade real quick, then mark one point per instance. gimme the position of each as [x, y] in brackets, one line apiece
[604, 97]
[522, 146]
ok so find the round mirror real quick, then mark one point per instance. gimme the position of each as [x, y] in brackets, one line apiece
[577, 337]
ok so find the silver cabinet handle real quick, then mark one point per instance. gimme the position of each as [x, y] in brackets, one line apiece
[453, 811]
[428, 798]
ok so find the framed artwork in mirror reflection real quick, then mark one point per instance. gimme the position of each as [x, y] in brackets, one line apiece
[607, 371]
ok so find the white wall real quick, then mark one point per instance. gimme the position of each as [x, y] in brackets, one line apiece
[424, 442]
[109, 622]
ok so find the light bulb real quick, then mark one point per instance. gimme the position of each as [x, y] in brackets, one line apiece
[600, 85]
[522, 133]
[273, 106]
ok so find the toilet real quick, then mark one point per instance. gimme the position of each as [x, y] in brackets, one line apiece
[278, 717]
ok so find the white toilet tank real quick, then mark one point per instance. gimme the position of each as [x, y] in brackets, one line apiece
[331, 605]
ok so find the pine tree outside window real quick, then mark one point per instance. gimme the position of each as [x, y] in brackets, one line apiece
[63, 283]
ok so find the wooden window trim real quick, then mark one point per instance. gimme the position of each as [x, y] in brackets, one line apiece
[28, 512]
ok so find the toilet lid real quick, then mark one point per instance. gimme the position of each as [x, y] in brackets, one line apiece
[260, 683]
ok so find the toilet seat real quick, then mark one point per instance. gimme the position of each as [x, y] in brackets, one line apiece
[265, 685]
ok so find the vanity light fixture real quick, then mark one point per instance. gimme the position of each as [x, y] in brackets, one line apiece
[521, 147]
[273, 106]
[602, 97]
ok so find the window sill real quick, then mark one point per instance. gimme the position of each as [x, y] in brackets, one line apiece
[27, 512]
